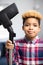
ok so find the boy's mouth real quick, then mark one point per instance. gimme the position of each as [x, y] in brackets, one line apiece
[30, 32]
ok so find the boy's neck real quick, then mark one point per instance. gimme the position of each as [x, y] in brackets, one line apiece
[31, 39]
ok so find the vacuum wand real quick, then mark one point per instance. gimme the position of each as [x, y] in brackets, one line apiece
[11, 35]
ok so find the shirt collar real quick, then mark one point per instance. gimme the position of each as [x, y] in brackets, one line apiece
[33, 41]
[36, 38]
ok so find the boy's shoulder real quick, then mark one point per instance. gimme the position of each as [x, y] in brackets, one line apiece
[40, 40]
[22, 40]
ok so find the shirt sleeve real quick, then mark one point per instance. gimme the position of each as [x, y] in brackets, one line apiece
[16, 54]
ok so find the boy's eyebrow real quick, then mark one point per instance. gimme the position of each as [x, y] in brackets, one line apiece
[30, 23]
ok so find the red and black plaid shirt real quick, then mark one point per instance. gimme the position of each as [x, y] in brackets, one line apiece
[27, 53]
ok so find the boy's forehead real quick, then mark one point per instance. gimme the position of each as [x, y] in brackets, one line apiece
[31, 20]
[32, 13]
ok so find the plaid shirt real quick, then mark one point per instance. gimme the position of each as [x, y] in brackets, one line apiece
[27, 53]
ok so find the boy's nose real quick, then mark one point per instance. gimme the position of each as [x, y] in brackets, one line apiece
[31, 27]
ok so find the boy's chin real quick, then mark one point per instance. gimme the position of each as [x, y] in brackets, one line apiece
[31, 37]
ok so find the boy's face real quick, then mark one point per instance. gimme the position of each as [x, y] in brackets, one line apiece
[31, 27]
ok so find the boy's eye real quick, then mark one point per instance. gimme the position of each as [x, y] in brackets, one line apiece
[35, 25]
[27, 25]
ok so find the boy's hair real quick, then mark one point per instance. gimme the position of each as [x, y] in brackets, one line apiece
[32, 14]
[24, 19]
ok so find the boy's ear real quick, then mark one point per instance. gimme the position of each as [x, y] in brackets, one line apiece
[39, 29]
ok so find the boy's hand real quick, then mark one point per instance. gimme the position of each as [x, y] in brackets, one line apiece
[9, 45]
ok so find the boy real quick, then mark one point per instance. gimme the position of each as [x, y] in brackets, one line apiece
[29, 50]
